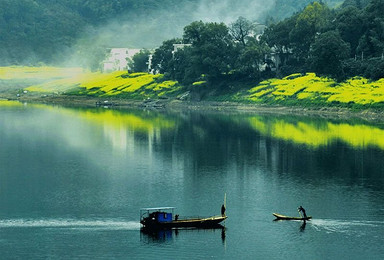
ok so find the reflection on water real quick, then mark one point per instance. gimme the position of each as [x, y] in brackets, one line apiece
[119, 127]
[320, 133]
[314, 133]
[167, 235]
[301, 223]
[73, 181]
[311, 132]
[10, 103]
[141, 121]
[151, 236]
[302, 227]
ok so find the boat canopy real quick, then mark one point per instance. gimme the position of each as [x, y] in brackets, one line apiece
[167, 216]
[159, 208]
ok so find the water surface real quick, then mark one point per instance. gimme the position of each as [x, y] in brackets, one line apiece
[72, 182]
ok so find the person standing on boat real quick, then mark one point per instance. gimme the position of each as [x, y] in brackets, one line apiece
[222, 210]
[301, 209]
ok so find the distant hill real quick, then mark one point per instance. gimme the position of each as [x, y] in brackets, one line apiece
[50, 31]
[285, 8]
[35, 31]
[356, 3]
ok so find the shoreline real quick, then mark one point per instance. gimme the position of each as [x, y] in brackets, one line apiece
[213, 106]
[324, 112]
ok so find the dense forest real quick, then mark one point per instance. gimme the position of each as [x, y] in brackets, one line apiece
[343, 42]
[228, 42]
[36, 32]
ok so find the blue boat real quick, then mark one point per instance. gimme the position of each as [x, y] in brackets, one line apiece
[164, 218]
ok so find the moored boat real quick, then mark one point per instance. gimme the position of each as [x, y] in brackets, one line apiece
[164, 218]
[283, 217]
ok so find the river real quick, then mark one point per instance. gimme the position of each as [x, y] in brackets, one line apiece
[72, 182]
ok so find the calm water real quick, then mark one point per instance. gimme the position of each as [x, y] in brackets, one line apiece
[72, 182]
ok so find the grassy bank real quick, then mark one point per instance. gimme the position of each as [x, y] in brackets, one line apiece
[75, 81]
[297, 90]
[311, 90]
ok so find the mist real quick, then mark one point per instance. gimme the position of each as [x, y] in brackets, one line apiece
[63, 33]
[149, 29]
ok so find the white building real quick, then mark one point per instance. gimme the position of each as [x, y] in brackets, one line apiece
[118, 59]
[179, 46]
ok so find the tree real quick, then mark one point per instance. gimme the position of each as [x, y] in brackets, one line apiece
[184, 66]
[251, 57]
[277, 37]
[241, 29]
[313, 20]
[374, 68]
[371, 44]
[349, 22]
[162, 59]
[212, 49]
[140, 61]
[354, 3]
[327, 54]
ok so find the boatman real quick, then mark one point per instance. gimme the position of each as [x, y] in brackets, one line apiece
[301, 209]
[222, 210]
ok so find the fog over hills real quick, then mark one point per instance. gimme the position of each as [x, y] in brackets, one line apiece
[148, 30]
[46, 31]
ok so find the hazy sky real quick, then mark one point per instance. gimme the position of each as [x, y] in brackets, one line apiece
[149, 30]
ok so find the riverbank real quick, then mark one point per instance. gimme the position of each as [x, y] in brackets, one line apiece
[372, 115]
[324, 112]
[299, 94]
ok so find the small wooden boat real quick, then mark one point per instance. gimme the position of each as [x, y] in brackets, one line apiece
[164, 218]
[282, 217]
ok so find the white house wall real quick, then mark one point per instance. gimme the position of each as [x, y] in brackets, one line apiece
[117, 59]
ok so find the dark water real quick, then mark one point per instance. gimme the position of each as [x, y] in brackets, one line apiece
[72, 182]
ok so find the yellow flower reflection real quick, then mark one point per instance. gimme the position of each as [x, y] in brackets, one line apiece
[10, 103]
[129, 121]
[317, 135]
[119, 127]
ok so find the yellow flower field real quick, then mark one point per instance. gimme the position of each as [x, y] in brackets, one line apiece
[296, 89]
[23, 72]
[311, 88]
[78, 81]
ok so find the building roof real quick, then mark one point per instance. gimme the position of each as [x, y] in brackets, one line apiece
[159, 208]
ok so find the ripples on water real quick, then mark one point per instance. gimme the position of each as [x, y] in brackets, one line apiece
[108, 224]
[345, 226]
[70, 178]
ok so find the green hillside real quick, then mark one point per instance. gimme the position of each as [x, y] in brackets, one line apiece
[44, 31]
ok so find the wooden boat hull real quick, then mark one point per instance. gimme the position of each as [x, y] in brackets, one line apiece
[283, 217]
[211, 222]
